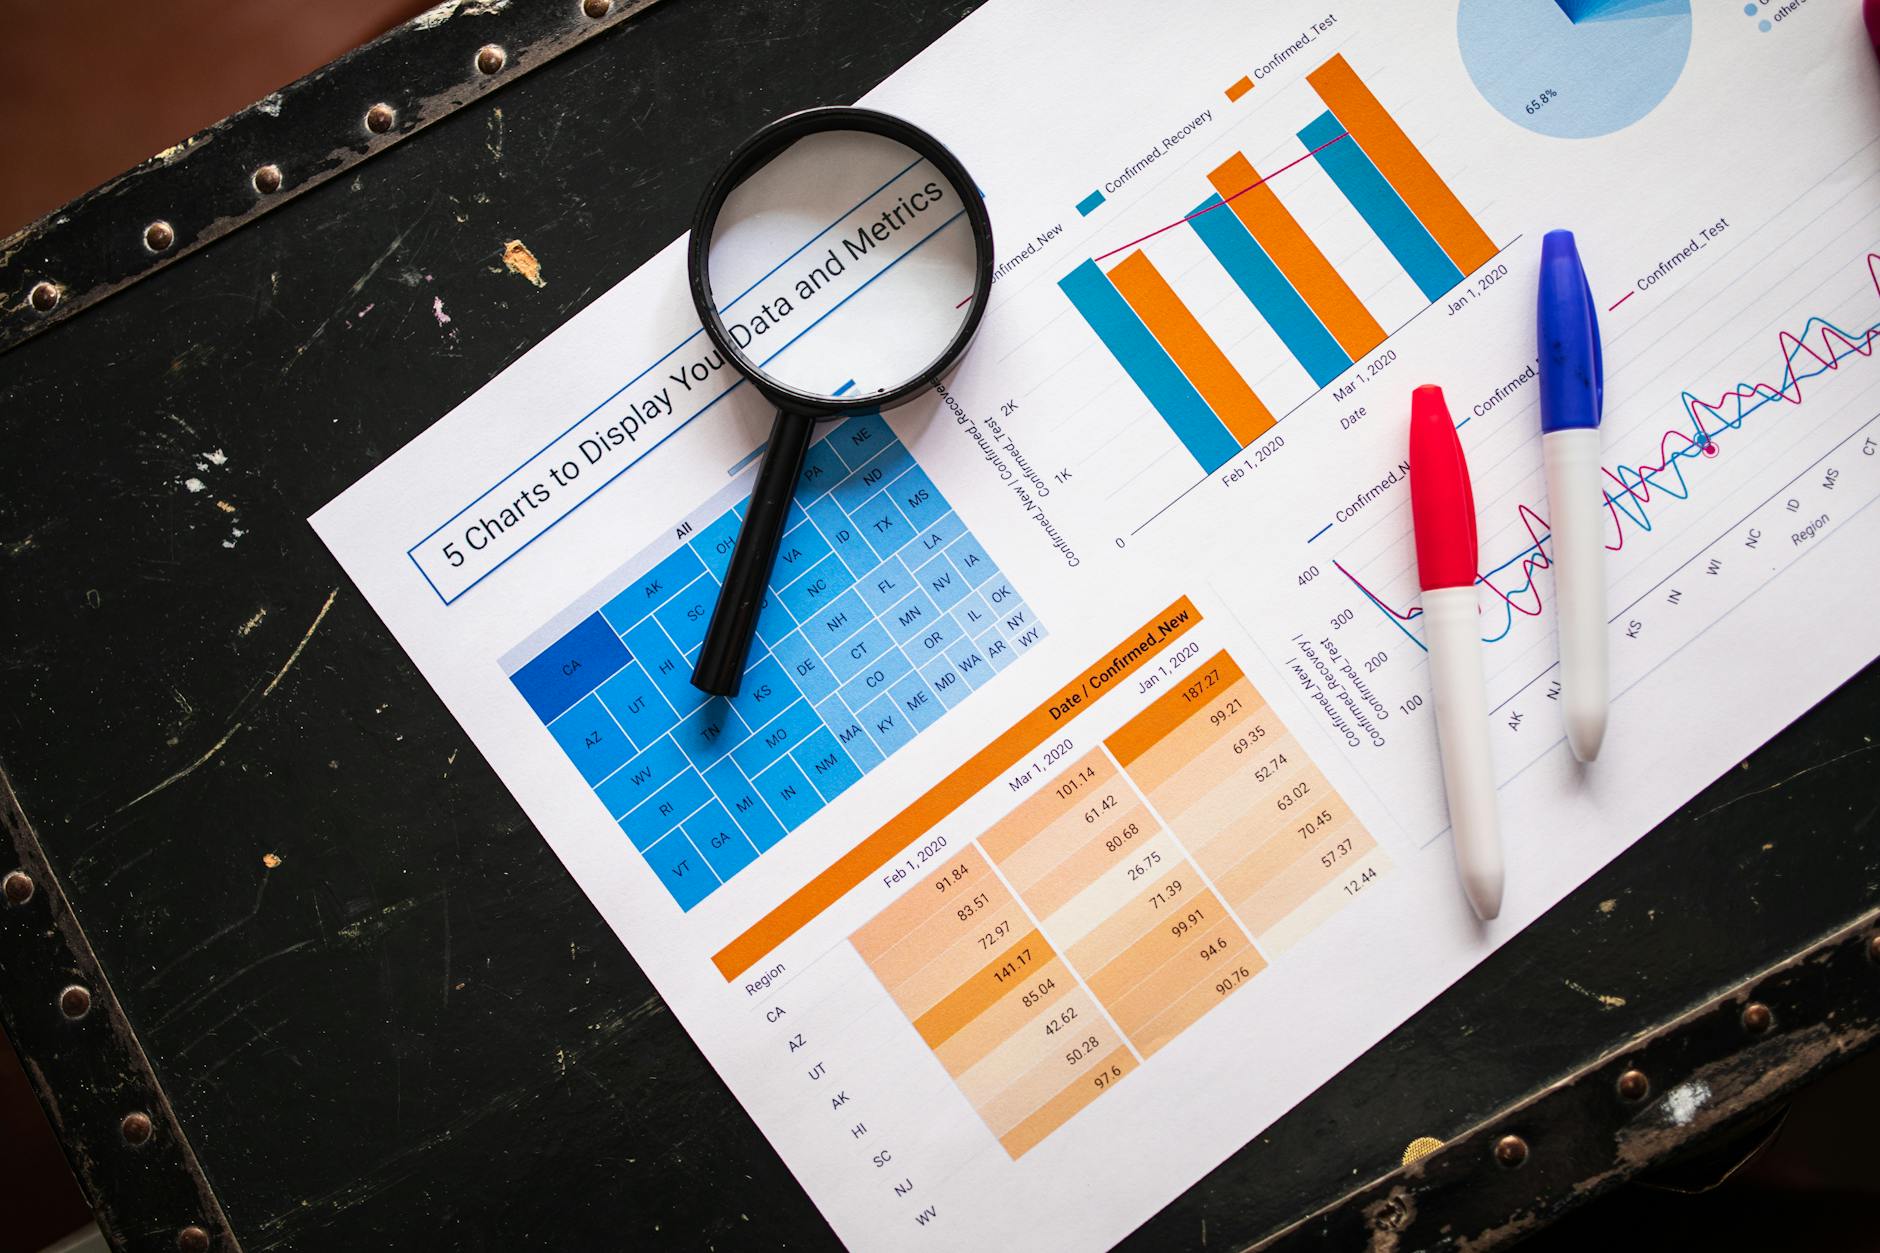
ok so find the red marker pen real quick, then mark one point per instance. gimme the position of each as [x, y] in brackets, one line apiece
[1443, 507]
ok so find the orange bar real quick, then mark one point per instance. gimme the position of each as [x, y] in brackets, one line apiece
[1421, 187]
[982, 768]
[990, 982]
[1194, 350]
[1240, 89]
[1146, 729]
[1298, 258]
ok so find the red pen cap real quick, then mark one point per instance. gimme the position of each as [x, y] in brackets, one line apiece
[1441, 502]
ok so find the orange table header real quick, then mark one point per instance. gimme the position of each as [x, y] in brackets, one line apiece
[982, 768]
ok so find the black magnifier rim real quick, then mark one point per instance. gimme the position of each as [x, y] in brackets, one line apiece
[755, 152]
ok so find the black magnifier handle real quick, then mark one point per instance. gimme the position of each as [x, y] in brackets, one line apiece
[734, 621]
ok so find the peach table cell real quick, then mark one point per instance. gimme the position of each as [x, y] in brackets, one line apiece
[940, 930]
[1251, 875]
[1185, 1010]
[1194, 923]
[1113, 890]
[1192, 691]
[958, 961]
[1026, 1093]
[1009, 1016]
[1245, 855]
[1223, 834]
[1011, 1064]
[1170, 887]
[1106, 845]
[1220, 775]
[912, 907]
[1214, 730]
[1091, 771]
[1323, 903]
[1076, 1094]
[977, 994]
[1249, 798]
[1185, 963]
[1289, 889]
[1096, 807]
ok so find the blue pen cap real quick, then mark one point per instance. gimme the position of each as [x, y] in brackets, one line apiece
[1572, 367]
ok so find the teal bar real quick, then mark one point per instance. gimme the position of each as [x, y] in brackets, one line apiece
[1153, 370]
[1271, 292]
[1378, 203]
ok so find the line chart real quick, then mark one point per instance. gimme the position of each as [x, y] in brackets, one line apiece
[1632, 488]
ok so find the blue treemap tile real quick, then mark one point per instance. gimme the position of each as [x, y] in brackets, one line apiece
[592, 739]
[739, 795]
[883, 612]
[650, 590]
[570, 668]
[682, 870]
[724, 844]
[827, 767]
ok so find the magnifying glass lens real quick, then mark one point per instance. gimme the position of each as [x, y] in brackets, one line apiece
[844, 266]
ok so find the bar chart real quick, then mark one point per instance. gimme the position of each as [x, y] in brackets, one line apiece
[1181, 367]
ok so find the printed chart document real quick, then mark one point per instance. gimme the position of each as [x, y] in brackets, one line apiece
[1087, 736]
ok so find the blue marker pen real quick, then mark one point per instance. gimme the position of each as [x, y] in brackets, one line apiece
[1572, 383]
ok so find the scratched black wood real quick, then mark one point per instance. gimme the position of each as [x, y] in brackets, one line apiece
[414, 1032]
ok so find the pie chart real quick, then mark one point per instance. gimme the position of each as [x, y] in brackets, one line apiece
[1574, 69]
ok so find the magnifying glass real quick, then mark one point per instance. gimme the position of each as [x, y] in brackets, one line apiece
[841, 262]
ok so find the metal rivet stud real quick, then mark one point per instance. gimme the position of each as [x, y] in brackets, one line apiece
[75, 1001]
[597, 8]
[136, 1128]
[158, 236]
[379, 118]
[267, 179]
[1757, 1018]
[1511, 1151]
[45, 296]
[491, 58]
[1873, 948]
[193, 1239]
[1634, 1086]
[17, 887]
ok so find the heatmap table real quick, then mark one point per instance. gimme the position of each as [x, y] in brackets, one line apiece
[1151, 879]
[883, 613]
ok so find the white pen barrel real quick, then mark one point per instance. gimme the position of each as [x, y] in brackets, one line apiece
[1452, 631]
[1577, 520]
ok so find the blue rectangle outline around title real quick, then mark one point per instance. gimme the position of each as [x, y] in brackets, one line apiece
[451, 600]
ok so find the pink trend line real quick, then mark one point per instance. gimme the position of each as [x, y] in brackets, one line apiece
[1671, 445]
[1225, 200]
[1621, 300]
